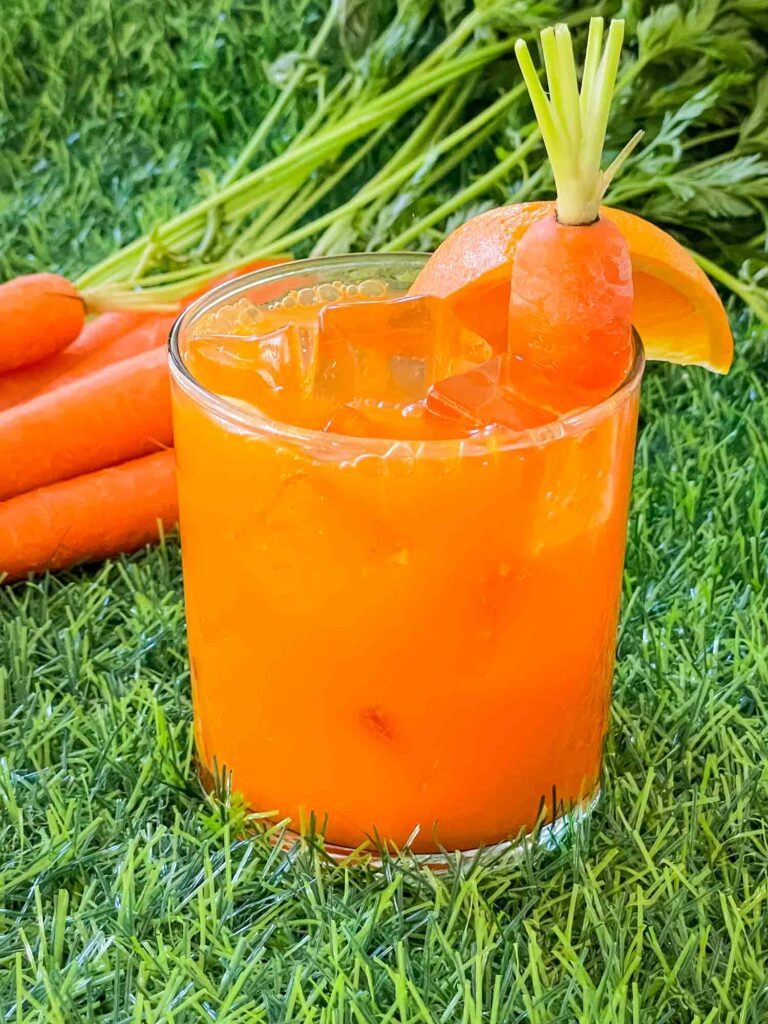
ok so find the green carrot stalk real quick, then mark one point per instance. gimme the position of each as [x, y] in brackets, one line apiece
[573, 121]
[117, 297]
[238, 198]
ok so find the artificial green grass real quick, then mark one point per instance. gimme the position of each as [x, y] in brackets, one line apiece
[127, 895]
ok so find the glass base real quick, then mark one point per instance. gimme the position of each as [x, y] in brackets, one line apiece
[551, 836]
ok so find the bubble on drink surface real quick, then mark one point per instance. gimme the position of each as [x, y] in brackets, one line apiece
[328, 292]
[372, 288]
[237, 319]
[313, 296]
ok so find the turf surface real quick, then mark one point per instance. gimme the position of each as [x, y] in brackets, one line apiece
[125, 894]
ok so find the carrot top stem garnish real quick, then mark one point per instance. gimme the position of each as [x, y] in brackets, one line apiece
[573, 122]
[570, 305]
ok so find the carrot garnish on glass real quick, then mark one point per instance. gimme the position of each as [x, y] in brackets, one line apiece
[571, 291]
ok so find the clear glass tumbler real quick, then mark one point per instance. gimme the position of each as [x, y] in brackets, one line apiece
[407, 639]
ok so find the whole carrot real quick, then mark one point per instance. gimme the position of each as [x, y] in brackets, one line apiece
[116, 413]
[105, 339]
[153, 333]
[39, 314]
[103, 329]
[89, 517]
[571, 290]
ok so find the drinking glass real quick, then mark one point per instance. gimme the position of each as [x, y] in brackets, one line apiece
[412, 640]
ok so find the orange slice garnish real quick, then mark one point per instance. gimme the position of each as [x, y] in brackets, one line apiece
[677, 311]
[472, 268]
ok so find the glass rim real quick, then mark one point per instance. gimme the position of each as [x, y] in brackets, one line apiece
[249, 418]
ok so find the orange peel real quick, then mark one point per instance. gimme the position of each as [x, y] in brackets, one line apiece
[677, 310]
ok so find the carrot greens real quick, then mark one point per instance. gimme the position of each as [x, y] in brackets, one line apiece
[573, 122]
[379, 161]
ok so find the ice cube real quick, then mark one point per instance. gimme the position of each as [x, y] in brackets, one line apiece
[504, 391]
[230, 364]
[273, 371]
[391, 350]
[372, 418]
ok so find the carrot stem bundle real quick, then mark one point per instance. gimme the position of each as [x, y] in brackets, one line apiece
[573, 121]
[89, 517]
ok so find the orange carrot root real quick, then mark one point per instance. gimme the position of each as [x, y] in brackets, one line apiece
[570, 305]
[119, 412]
[105, 328]
[105, 339]
[39, 314]
[89, 517]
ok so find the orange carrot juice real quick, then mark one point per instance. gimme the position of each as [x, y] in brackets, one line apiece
[402, 573]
